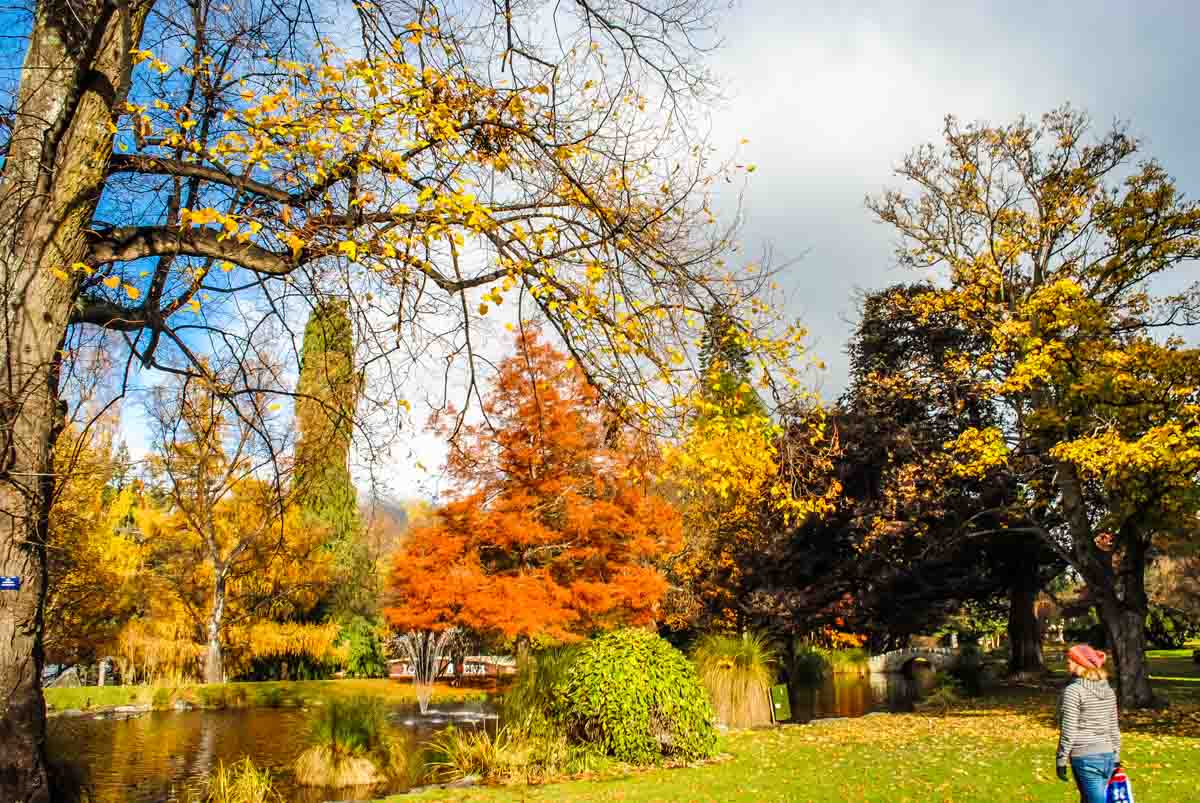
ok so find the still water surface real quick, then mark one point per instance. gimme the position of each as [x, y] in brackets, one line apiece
[855, 696]
[162, 756]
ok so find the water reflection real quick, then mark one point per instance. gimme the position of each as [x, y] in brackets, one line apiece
[854, 695]
[162, 756]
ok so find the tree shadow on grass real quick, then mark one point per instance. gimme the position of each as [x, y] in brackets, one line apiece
[1038, 701]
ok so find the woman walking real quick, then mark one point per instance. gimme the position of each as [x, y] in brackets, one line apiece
[1087, 717]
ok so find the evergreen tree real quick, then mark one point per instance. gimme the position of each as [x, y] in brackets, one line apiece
[327, 397]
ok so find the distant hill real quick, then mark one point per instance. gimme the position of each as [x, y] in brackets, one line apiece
[384, 508]
[388, 520]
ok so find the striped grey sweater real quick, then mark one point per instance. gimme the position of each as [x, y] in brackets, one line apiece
[1087, 717]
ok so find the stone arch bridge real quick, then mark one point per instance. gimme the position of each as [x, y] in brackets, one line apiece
[941, 658]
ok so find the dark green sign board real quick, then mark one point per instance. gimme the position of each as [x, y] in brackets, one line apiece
[781, 706]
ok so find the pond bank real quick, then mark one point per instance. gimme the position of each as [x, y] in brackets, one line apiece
[264, 694]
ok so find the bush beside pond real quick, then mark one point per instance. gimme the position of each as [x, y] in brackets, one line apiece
[635, 697]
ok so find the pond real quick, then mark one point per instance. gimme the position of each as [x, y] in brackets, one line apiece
[856, 696]
[162, 756]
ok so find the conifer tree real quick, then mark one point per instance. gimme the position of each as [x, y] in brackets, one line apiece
[327, 394]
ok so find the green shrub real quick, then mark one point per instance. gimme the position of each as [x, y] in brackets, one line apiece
[737, 672]
[855, 661]
[809, 664]
[269, 697]
[240, 782]
[212, 696]
[162, 699]
[1169, 628]
[365, 657]
[636, 698]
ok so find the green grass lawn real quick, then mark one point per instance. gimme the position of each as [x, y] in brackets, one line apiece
[997, 748]
[1175, 674]
[243, 695]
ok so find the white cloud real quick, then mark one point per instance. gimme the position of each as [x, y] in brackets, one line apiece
[832, 95]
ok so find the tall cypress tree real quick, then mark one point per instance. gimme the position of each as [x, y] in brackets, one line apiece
[327, 397]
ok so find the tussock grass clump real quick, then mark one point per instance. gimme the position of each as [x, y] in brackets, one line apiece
[533, 746]
[737, 672]
[527, 702]
[351, 745]
[321, 765]
[239, 782]
[511, 755]
[946, 693]
[456, 753]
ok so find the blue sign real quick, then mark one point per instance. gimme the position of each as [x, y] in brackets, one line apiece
[10, 583]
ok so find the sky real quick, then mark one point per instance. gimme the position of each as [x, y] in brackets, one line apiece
[831, 95]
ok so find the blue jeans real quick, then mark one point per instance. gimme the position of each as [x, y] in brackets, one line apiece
[1092, 774]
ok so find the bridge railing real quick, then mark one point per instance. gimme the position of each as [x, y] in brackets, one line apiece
[894, 660]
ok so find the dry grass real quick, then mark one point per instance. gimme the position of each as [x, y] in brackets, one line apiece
[737, 672]
[239, 782]
[508, 756]
[321, 765]
[352, 745]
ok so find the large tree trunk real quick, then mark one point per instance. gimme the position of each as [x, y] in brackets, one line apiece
[75, 74]
[1024, 633]
[25, 493]
[214, 664]
[1024, 630]
[1118, 583]
[1126, 629]
[1124, 606]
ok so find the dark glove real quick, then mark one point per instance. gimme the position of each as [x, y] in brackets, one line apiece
[1062, 773]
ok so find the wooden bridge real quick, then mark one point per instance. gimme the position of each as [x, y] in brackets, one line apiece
[940, 658]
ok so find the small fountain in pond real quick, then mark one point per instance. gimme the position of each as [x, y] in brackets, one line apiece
[425, 651]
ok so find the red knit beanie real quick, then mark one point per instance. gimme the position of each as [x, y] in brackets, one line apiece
[1086, 657]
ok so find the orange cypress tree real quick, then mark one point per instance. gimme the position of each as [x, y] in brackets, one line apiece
[554, 530]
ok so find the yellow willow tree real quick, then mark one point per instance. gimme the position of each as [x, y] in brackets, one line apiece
[1060, 252]
[97, 559]
[230, 546]
[185, 175]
